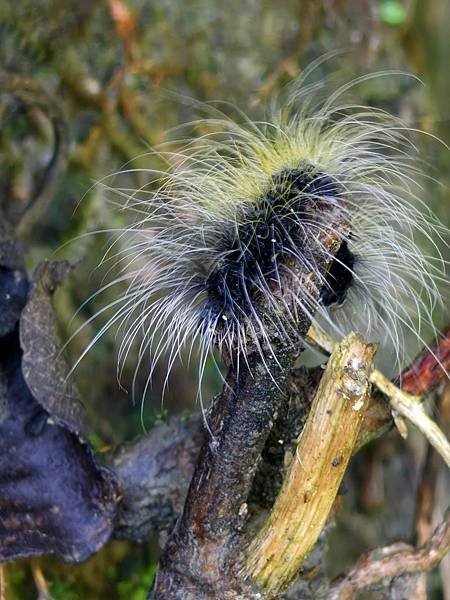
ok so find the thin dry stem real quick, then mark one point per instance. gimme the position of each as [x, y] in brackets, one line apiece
[385, 564]
[410, 407]
[2, 583]
[40, 581]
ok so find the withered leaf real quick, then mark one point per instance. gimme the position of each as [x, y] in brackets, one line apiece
[54, 497]
[43, 364]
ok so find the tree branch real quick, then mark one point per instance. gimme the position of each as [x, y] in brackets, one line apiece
[155, 470]
[410, 407]
[393, 562]
[34, 96]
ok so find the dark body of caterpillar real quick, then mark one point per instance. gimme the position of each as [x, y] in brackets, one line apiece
[257, 225]
[267, 235]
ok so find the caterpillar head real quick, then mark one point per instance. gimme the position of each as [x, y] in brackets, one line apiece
[260, 228]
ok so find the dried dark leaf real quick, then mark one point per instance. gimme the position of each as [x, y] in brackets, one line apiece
[54, 497]
[43, 364]
[4, 410]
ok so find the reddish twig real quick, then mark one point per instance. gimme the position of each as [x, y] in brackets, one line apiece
[429, 368]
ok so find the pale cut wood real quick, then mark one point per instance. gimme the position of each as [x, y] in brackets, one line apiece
[312, 481]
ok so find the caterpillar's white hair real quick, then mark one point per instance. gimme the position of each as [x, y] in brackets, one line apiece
[171, 256]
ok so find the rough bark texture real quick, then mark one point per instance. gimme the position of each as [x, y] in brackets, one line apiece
[155, 472]
[200, 553]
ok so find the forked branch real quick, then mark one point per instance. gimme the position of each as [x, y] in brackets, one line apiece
[404, 405]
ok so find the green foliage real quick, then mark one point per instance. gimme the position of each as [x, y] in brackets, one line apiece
[120, 572]
[137, 587]
[393, 12]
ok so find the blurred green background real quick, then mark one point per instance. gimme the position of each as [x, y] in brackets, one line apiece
[108, 70]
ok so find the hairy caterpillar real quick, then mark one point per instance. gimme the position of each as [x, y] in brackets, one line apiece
[242, 202]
